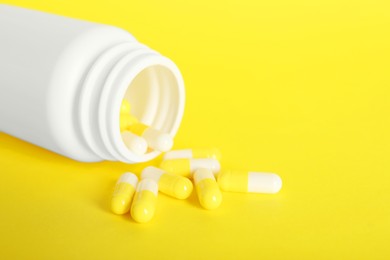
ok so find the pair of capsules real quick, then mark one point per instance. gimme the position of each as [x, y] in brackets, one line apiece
[203, 165]
[145, 192]
[140, 198]
[138, 137]
[207, 187]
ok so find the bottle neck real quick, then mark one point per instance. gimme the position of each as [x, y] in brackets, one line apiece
[149, 81]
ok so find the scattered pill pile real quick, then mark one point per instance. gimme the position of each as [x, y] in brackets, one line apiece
[173, 176]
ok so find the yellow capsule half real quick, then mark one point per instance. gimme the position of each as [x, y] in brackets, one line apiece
[207, 189]
[123, 193]
[125, 121]
[213, 153]
[144, 202]
[185, 167]
[171, 184]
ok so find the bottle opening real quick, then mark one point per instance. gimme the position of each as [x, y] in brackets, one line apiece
[156, 96]
[150, 82]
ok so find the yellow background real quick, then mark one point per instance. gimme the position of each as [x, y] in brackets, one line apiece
[300, 88]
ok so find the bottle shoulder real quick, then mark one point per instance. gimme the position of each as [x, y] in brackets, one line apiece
[66, 82]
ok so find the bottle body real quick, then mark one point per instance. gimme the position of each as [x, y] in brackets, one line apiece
[61, 81]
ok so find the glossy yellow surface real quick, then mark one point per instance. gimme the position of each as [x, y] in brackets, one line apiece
[295, 87]
[177, 166]
[175, 185]
[121, 198]
[143, 206]
[233, 181]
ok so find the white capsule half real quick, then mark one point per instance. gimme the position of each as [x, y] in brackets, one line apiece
[211, 164]
[149, 185]
[264, 182]
[134, 143]
[243, 181]
[178, 154]
[193, 153]
[157, 140]
[153, 173]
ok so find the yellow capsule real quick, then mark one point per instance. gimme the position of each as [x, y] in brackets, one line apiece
[125, 107]
[171, 184]
[256, 182]
[207, 189]
[193, 153]
[123, 193]
[144, 202]
[185, 167]
[156, 139]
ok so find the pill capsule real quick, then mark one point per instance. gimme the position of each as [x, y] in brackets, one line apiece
[256, 182]
[125, 107]
[156, 139]
[144, 202]
[171, 184]
[134, 142]
[207, 189]
[193, 153]
[123, 193]
[185, 167]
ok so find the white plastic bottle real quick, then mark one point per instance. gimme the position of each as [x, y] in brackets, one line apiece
[62, 82]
